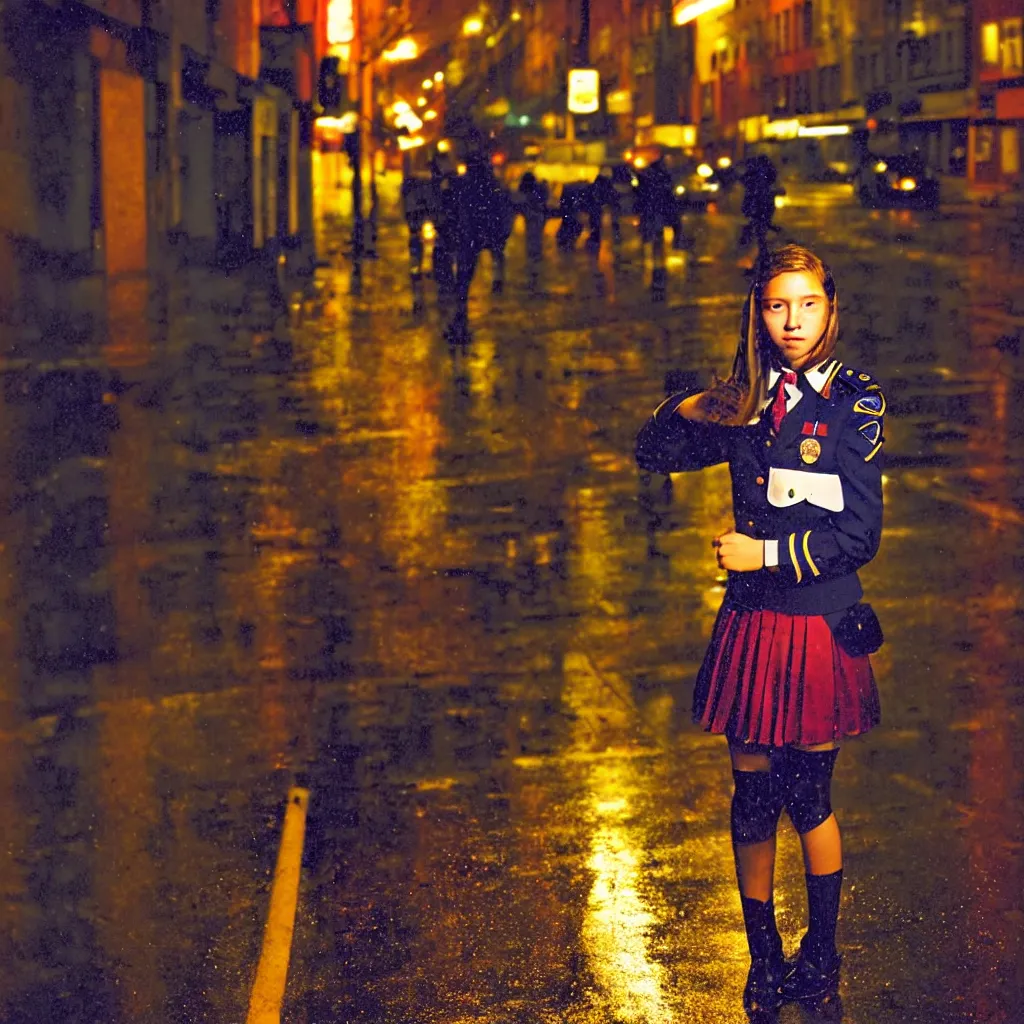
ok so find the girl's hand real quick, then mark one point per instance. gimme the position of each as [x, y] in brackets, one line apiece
[719, 404]
[738, 552]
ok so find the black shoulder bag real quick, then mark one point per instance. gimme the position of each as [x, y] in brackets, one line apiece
[857, 629]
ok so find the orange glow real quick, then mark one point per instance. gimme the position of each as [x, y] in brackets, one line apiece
[123, 171]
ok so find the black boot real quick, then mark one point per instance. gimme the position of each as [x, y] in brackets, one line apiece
[813, 974]
[762, 995]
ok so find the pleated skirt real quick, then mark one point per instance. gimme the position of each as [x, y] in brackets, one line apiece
[773, 679]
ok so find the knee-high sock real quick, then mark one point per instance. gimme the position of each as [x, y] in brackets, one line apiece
[763, 938]
[823, 913]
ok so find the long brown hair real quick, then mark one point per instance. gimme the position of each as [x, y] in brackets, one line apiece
[756, 356]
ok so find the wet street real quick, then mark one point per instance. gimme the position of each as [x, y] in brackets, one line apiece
[244, 553]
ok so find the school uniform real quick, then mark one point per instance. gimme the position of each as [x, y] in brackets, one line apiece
[812, 491]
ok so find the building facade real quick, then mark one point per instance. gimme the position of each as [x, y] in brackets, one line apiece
[141, 134]
[815, 81]
[997, 127]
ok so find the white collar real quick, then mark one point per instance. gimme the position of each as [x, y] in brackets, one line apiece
[816, 376]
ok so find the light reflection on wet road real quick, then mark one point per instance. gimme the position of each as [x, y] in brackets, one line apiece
[235, 553]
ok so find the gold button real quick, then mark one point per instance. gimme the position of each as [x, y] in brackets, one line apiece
[760, 480]
[849, 373]
[767, 444]
[750, 522]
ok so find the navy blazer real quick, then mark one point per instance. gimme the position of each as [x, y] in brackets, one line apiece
[816, 488]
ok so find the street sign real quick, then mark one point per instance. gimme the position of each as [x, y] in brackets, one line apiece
[341, 27]
[584, 91]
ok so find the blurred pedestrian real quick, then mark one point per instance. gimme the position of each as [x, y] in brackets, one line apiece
[446, 226]
[602, 194]
[533, 200]
[416, 208]
[758, 204]
[656, 206]
[571, 204]
[484, 223]
[786, 675]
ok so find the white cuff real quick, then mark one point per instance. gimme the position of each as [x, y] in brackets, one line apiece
[771, 554]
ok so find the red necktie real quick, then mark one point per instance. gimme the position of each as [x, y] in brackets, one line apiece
[779, 405]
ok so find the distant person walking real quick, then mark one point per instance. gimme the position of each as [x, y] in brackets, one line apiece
[655, 205]
[602, 194]
[446, 226]
[533, 201]
[758, 206]
[417, 209]
[484, 222]
[786, 676]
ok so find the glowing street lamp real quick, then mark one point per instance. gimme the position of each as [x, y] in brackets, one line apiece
[472, 26]
[405, 49]
[427, 83]
[438, 76]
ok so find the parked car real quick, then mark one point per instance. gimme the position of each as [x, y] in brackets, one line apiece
[900, 180]
[695, 186]
[694, 183]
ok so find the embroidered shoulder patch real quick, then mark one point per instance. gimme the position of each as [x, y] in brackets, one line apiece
[871, 432]
[873, 404]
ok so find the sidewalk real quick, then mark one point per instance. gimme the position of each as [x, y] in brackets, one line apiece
[958, 193]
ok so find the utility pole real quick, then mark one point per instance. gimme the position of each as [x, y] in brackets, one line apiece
[583, 43]
[579, 58]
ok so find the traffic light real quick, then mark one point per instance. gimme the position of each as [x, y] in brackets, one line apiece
[330, 86]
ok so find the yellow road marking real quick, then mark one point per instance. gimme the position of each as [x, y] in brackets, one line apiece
[272, 973]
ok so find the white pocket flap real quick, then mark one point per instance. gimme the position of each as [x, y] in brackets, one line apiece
[788, 486]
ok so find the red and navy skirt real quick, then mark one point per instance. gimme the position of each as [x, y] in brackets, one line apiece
[772, 679]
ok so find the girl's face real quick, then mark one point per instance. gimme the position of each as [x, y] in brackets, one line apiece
[795, 310]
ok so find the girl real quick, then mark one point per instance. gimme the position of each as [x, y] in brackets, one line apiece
[786, 674]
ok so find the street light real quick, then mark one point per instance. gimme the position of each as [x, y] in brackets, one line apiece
[438, 76]
[427, 83]
[405, 49]
[473, 26]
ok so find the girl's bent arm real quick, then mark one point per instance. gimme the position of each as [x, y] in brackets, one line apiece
[674, 440]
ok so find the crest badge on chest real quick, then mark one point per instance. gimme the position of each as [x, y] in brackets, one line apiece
[810, 450]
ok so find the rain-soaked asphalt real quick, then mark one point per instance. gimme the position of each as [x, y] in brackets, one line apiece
[237, 555]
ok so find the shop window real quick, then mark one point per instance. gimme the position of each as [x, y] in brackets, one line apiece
[808, 24]
[1013, 59]
[990, 44]
[787, 28]
[983, 143]
[707, 101]
[1009, 150]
